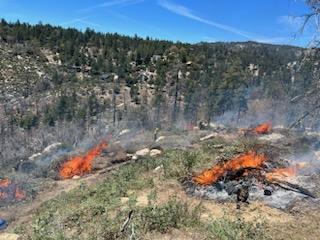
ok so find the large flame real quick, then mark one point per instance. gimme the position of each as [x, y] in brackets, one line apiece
[80, 165]
[248, 160]
[283, 173]
[263, 128]
[9, 191]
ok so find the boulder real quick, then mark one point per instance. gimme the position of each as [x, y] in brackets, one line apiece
[158, 169]
[9, 236]
[210, 136]
[273, 137]
[160, 138]
[125, 131]
[143, 152]
[52, 147]
[155, 152]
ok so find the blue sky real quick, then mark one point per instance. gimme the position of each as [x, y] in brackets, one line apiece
[271, 21]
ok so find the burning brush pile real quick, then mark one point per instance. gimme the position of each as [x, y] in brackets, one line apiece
[254, 175]
[81, 164]
[11, 192]
[97, 158]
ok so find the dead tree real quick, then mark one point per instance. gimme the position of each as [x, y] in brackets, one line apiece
[312, 16]
[176, 95]
[114, 102]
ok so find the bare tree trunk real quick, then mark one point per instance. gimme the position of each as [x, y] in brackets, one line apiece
[114, 102]
[175, 105]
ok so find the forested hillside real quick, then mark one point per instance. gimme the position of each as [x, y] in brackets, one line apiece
[57, 83]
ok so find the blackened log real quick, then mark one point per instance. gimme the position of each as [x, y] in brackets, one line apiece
[293, 187]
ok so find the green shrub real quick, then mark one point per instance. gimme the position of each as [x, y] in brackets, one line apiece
[189, 160]
[173, 214]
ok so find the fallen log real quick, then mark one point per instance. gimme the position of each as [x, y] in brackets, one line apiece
[292, 187]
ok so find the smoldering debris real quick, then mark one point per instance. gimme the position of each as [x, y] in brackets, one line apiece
[278, 172]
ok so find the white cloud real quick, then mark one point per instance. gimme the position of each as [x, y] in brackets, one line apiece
[111, 3]
[184, 11]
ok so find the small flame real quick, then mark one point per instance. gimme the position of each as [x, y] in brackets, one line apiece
[19, 195]
[80, 165]
[4, 183]
[263, 128]
[248, 160]
[282, 173]
[9, 191]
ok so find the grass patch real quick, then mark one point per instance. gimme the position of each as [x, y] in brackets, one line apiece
[173, 214]
[225, 229]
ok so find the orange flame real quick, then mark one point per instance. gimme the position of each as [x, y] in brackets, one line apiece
[263, 128]
[6, 186]
[282, 173]
[80, 165]
[4, 183]
[19, 195]
[248, 160]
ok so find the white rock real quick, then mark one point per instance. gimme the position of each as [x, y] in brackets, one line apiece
[52, 147]
[212, 135]
[273, 137]
[76, 177]
[155, 152]
[216, 125]
[160, 138]
[9, 236]
[134, 157]
[143, 152]
[279, 127]
[158, 169]
[125, 131]
[120, 105]
[35, 156]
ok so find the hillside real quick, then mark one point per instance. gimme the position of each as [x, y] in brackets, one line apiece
[58, 83]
